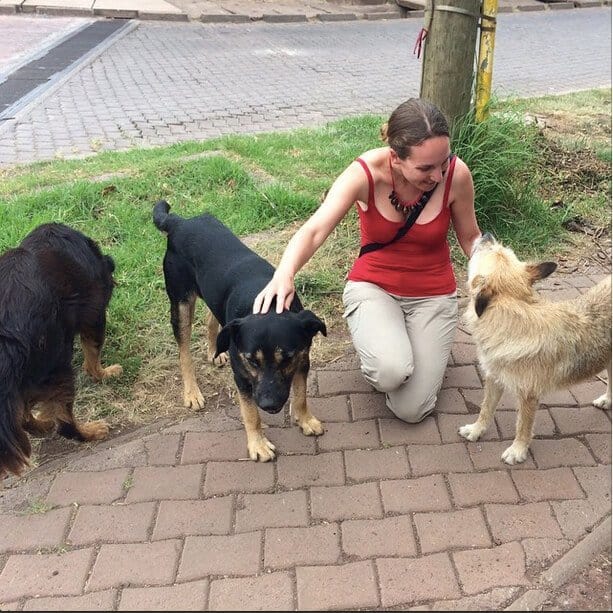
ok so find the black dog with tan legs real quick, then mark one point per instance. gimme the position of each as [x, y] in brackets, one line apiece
[55, 285]
[269, 354]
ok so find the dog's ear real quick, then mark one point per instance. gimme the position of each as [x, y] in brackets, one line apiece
[541, 270]
[226, 334]
[312, 324]
[483, 294]
[482, 299]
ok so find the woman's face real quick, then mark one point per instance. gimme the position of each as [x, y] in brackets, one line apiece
[426, 164]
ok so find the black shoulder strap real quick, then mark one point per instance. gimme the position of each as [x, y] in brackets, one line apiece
[413, 215]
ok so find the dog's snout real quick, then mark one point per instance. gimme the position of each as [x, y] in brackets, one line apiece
[486, 237]
[270, 405]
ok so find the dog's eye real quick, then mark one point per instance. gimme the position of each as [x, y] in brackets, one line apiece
[253, 361]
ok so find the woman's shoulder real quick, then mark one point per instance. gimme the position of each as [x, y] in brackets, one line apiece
[461, 172]
[375, 159]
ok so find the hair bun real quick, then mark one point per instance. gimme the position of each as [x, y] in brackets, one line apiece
[383, 132]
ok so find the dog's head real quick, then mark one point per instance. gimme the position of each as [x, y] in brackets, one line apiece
[266, 352]
[495, 270]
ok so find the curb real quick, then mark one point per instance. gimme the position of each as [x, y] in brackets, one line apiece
[402, 13]
[571, 563]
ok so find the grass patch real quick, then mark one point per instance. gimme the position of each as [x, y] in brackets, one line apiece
[531, 178]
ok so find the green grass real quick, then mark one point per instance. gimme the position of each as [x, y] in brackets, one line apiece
[272, 182]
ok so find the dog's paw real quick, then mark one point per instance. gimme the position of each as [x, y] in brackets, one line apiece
[603, 402]
[93, 430]
[221, 360]
[112, 371]
[515, 454]
[471, 432]
[261, 449]
[311, 426]
[193, 399]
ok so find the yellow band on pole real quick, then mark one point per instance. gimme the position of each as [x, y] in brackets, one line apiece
[485, 62]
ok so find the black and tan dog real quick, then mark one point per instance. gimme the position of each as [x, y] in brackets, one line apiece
[269, 354]
[55, 285]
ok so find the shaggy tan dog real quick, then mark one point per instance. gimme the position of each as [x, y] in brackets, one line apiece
[527, 345]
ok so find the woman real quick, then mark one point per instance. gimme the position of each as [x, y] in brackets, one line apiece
[400, 298]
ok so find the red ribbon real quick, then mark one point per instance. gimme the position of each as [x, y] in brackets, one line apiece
[418, 43]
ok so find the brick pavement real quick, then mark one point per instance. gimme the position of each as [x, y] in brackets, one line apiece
[375, 514]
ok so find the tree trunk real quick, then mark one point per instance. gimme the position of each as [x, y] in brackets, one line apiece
[449, 55]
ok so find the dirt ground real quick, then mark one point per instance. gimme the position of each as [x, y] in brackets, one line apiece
[589, 590]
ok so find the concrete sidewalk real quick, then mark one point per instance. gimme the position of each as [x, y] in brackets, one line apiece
[243, 11]
[375, 514]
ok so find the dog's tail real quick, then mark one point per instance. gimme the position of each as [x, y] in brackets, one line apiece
[15, 446]
[163, 220]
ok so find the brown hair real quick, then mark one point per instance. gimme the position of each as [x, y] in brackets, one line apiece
[411, 123]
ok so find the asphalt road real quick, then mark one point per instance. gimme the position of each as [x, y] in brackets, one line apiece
[156, 83]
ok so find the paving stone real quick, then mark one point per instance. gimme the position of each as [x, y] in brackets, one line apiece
[291, 441]
[205, 446]
[96, 601]
[346, 587]
[302, 471]
[429, 459]
[165, 483]
[487, 456]
[335, 408]
[371, 538]
[162, 449]
[341, 382]
[516, 522]
[412, 495]
[553, 484]
[473, 489]
[586, 419]
[482, 569]
[269, 592]
[600, 446]
[178, 518]
[576, 517]
[236, 554]
[596, 482]
[542, 552]
[389, 463]
[451, 530]
[396, 432]
[368, 406]
[227, 477]
[88, 487]
[463, 353]
[409, 581]
[356, 435]
[144, 564]
[34, 531]
[126, 523]
[461, 376]
[346, 502]
[494, 600]
[563, 452]
[53, 574]
[190, 596]
[587, 391]
[450, 401]
[314, 545]
[256, 511]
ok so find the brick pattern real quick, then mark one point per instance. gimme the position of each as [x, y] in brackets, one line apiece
[374, 514]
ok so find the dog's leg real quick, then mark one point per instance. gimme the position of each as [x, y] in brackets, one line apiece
[42, 423]
[92, 339]
[309, 424]
[181, 318]
[492, 393]
[213, 330]
[604, 401]
[259, 447]
[526, 413]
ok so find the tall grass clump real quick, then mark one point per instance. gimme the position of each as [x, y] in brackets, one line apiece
[503, 156]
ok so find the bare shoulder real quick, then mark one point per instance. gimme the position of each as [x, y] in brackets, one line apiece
[376, 158]
[461, 173]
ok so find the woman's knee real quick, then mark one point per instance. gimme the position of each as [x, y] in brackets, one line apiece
[412, 411]
[387, 377]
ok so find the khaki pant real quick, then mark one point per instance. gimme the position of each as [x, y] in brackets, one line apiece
[403, 344]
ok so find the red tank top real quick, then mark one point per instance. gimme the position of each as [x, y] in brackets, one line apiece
[419, 264]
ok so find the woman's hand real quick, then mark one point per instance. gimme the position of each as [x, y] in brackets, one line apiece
[281, 287]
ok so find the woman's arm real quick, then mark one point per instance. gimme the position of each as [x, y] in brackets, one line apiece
[463, 208]
[351, 185]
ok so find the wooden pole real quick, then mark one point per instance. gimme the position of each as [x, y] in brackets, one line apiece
[449, 55]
